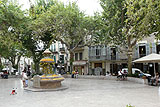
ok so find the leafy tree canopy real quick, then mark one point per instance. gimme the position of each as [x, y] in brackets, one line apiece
[128, 21]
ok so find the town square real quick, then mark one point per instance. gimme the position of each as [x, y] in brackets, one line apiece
[80, 53]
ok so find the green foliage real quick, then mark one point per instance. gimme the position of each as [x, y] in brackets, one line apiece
[12, 19]
[125, 20]
[17, 36]
[65, 23]
[34, 42]
[129, 106]
[128, 21]
[133, 75]
[11, 15]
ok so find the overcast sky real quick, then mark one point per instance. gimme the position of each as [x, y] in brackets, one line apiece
[89, 6]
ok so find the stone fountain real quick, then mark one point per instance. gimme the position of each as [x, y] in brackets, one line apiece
[49, 79]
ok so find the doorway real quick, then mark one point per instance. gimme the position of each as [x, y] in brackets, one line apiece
[151, 69]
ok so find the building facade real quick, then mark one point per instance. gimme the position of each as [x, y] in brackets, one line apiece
[106, 58]
[81, 60]
[60, 55]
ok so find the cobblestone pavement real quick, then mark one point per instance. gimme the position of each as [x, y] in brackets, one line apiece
[81, 93]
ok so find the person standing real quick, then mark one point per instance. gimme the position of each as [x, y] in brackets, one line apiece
[157, 78]
[73, 74]
[119, 76]
[24, 78]
[76, 73]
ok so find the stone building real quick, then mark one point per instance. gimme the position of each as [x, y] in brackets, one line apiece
[60, 55]
[81, 60]
[111, 59]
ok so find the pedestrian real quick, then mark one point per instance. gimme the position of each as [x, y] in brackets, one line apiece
[82, 71]
[76, 74]
[157, 78]
[28, 73]
[73, 73]
[125, 74]
[24, 78]
[119, 76]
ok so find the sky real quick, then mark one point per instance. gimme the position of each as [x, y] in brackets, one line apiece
[88, 6]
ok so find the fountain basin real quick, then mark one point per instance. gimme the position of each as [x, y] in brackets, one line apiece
[47, 82]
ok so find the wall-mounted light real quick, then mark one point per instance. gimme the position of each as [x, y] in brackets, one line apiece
[142, 49]
[150, 65]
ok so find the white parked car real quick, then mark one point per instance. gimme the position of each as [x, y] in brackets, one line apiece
[136, 71]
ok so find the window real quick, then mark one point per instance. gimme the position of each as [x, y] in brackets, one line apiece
[51, 47]
[158, 49]
[62, 58]
[54, 48]
[98, 52]
[76, 56]
[142, 51]
[80, 56]
[113, 53]
[137, 72]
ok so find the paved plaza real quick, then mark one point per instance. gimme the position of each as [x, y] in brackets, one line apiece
[81, 93]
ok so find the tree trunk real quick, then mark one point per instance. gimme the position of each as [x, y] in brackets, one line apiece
[0, 60]
[129, 54]
[71, 61]
[36, 65]
[130, 60]
[18, 59]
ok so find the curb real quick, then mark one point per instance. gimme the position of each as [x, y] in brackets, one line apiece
[45, 90]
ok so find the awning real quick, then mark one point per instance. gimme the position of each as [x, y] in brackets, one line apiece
[151, 58]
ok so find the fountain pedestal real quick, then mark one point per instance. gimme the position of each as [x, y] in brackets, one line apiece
[47, 82]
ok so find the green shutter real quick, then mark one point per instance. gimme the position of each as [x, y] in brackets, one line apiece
[153, 48]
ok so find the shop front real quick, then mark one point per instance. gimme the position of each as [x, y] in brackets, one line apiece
[81, 66]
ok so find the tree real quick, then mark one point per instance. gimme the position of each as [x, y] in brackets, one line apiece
[68, 25]
[11, 18]
[32, 41]
[12, 50]
[125, 23]
[153, 17]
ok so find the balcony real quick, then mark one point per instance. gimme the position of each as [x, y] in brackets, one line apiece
[102, 58]
[62, 49]
[98, 58]
[113, 57]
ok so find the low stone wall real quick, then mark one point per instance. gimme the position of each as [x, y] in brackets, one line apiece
[14, 76]
[93, 77]
[132, 79]
[137, 80]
